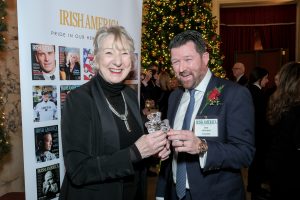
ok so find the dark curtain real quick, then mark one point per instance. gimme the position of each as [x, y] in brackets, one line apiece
[276, 26]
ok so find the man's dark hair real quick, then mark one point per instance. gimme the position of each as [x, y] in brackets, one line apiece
[256, 74]
[187, 36]
[45, 92]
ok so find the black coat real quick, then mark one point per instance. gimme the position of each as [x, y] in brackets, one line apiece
[243, 80]
[283, 158]
[96, 167]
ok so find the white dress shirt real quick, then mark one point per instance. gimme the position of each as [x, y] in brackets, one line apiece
[180, 114]
[200, 90]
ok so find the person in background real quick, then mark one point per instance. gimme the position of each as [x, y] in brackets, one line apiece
[164, 82]
[258, 80]
[150, 89]
[238, 70]
[150, 102]
[270, 90]
[174, 83]
[208, 155]
[144, 93]
[283, 115]
[45, 58]
[44, 148]
[103, 140]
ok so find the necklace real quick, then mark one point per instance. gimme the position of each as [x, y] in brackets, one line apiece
[123, 117]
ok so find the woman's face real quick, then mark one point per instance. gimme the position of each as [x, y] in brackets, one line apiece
[114, 60]
[73, 58]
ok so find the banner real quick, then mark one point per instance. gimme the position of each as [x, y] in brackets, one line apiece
[52, 34]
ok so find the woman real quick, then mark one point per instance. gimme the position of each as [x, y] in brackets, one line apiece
[102, 132]
[283, 115]
[72, 69]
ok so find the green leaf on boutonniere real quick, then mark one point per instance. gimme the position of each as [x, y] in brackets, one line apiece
[212, 97]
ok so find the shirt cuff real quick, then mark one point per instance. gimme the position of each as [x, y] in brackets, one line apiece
[135, 155]
[202, 159]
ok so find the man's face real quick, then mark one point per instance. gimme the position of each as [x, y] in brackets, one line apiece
[46, 97]
[189, 66]
[45, 56]
[237, 70]
[47, 142]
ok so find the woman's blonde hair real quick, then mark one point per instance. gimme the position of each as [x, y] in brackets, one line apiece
[120, 35]
[164, 81]
[287, 93]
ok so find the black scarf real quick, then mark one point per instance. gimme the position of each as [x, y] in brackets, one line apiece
[110, 89]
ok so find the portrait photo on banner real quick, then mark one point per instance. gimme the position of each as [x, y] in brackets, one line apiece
[46, 143]
[44, 103]
[69, 63]
[43, 62]
[48, 182]
[64, 91]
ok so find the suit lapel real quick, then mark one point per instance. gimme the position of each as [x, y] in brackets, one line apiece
[213, 82]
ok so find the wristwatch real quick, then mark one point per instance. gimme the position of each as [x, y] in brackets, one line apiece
[202, 146]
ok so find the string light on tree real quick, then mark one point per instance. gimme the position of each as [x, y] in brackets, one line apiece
[162, 20]
[3, 25]
[4, 142]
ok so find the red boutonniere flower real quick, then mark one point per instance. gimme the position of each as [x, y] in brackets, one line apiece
[212, 98]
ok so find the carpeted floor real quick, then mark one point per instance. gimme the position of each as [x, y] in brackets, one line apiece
[13, 196]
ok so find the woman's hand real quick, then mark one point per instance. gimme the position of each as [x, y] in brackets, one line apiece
[152, 144]
[164, 154]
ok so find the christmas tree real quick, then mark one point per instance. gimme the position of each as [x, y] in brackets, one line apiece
[4, 144]
[3, 26]
[163, 19]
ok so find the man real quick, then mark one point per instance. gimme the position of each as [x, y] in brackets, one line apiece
[44, 150]
[46, 109]
[238, 70]
[220, 143]
[44, 66]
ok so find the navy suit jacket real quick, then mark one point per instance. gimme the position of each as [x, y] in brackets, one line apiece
[227, 153]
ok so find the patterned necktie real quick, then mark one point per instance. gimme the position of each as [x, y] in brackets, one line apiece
[181, 164]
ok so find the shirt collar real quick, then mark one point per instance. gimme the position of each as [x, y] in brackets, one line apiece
[257, 84]
[47, 76]
[204, 83]
[239, 77]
